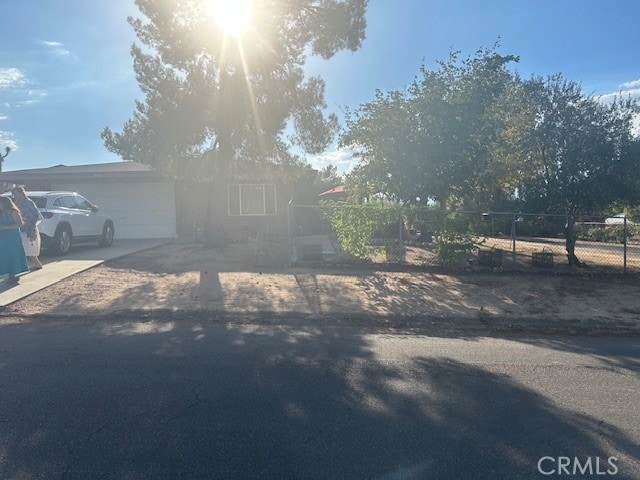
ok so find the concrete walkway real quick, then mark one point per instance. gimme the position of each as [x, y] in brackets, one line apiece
[80, 258]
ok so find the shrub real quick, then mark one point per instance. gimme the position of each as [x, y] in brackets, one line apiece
[609, 234]
[355, 225]
[452, 249]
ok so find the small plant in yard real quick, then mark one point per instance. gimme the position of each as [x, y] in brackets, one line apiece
[490, 257]
[355, 225]
[454, 244]
[453, 249]
[543, 258]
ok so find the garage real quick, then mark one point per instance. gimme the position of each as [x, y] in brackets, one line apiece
[138, 210]
[141, 203]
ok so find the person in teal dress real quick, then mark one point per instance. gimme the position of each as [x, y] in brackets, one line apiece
[12, 257]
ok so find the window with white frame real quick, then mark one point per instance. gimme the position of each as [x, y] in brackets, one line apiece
[252, 199]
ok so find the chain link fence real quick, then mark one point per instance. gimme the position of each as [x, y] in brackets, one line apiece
[425, 237]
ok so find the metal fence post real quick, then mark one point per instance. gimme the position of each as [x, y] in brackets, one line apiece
[513, 243]
[290, 233]
[624, 238]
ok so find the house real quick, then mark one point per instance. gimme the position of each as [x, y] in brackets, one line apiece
[255, 201]
[145, 204]
[141, 202]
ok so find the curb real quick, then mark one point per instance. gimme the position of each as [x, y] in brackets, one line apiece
[395, 324]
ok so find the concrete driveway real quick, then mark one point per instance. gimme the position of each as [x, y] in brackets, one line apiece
[80, 258]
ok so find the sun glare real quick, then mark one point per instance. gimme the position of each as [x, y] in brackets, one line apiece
[233, 16]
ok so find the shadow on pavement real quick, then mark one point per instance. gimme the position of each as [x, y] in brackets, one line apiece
[190, 401]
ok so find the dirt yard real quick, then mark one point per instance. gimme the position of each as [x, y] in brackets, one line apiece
[599, 257]
[187, 277]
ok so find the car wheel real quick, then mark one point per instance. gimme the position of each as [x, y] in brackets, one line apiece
[107, 235]
[62, 240]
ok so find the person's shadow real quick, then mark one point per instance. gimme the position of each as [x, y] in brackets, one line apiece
[6, 284]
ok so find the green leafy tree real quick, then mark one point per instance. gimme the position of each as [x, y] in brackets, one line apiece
[436, 139]
[473, 133]
[328, 177]
[579, 153]
[217, 103]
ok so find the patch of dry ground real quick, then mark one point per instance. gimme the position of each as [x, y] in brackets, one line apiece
[189, 277]
[599, 257]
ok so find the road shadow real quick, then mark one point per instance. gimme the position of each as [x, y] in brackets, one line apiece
[606, 350]
[191, 401]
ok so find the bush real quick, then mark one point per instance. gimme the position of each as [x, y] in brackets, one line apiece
[608, 234]
[356, 225]
[453, 249]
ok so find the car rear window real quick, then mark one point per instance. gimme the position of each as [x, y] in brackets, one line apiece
[41, 202]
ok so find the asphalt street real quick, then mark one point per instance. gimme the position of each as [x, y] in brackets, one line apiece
[187, 400]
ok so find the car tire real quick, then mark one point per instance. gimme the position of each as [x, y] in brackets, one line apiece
[107, 235]
[61, 241]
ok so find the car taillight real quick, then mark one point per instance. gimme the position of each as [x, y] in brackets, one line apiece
[47, 214]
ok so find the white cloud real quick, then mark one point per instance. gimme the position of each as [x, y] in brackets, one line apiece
[90, 84]
[630, 85]
[10, 77]
[622, 94]
[13, 81]
[3, 117]
[31, 97]
[6, 140]
[626, 90]
[26, 103]
[342, 158]
[630, 93]
[57, 48]
[608, 97]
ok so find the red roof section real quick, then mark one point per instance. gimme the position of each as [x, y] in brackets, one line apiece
[338, 189]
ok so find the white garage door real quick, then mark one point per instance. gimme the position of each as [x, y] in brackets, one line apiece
[139, 210]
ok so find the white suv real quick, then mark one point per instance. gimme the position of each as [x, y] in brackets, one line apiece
[70, 218]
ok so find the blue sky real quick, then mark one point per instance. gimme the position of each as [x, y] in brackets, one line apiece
[66, 72]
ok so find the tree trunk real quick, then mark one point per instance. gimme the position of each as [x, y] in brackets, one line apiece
[217, 204]
[570, 242]
[217, 209]
[216, 231]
